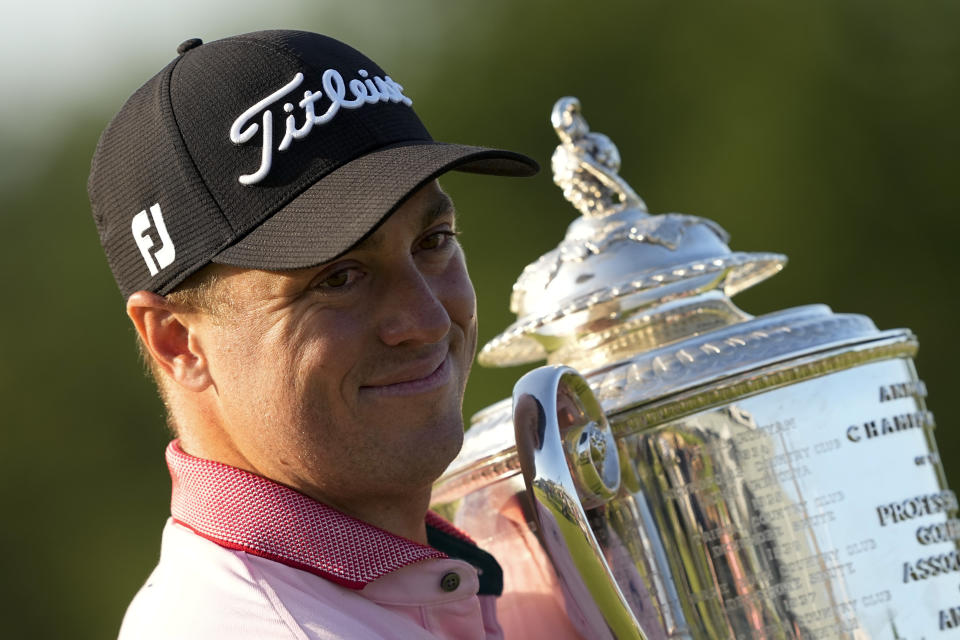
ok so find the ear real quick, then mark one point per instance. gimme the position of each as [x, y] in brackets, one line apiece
[171, 338]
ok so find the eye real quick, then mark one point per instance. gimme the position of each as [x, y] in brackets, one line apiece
[339, 280]
[437, 239]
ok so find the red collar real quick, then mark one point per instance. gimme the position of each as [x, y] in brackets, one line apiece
[239, 510]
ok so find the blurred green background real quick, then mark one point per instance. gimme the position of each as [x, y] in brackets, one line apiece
[825, 130]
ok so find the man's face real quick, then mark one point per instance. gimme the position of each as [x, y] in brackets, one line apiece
[345, 381]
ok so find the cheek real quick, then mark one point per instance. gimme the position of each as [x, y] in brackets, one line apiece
[470, 317]
[254, 362]
[322, 353]
[460, 302]
[459, 297]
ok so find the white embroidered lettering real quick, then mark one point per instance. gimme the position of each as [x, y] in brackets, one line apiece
[336, 90]
[375, 95]
[139, 226]
[383, 88]
[162, 257]
[292, 131]
[239, 135]
[394, 89]
[365, 91]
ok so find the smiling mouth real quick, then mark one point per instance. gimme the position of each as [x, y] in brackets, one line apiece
[437, 378]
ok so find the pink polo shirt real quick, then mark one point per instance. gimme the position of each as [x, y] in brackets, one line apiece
[244, 557]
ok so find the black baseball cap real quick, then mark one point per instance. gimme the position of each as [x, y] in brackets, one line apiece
[268, 150]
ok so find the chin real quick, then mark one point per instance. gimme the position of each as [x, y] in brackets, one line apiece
[443, 448]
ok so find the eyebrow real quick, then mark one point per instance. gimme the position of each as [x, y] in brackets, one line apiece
[442, 205]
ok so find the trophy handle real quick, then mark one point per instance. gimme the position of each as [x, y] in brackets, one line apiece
[569, 461]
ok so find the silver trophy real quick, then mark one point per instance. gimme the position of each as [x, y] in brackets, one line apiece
[682, 469]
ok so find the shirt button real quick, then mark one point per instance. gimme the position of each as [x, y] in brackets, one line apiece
[450, 582]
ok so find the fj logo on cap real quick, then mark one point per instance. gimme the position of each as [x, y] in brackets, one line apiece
[164, 255]
[365, 90]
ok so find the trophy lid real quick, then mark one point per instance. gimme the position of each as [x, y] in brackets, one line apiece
[619, 270]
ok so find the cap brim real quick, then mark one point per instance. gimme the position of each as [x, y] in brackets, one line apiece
[347, 204]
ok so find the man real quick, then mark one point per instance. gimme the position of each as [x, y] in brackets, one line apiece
[269, 209]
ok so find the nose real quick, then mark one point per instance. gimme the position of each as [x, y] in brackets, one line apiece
[413, 311]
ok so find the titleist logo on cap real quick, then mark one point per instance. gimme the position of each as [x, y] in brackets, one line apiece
[365, 91]
[317, 147]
